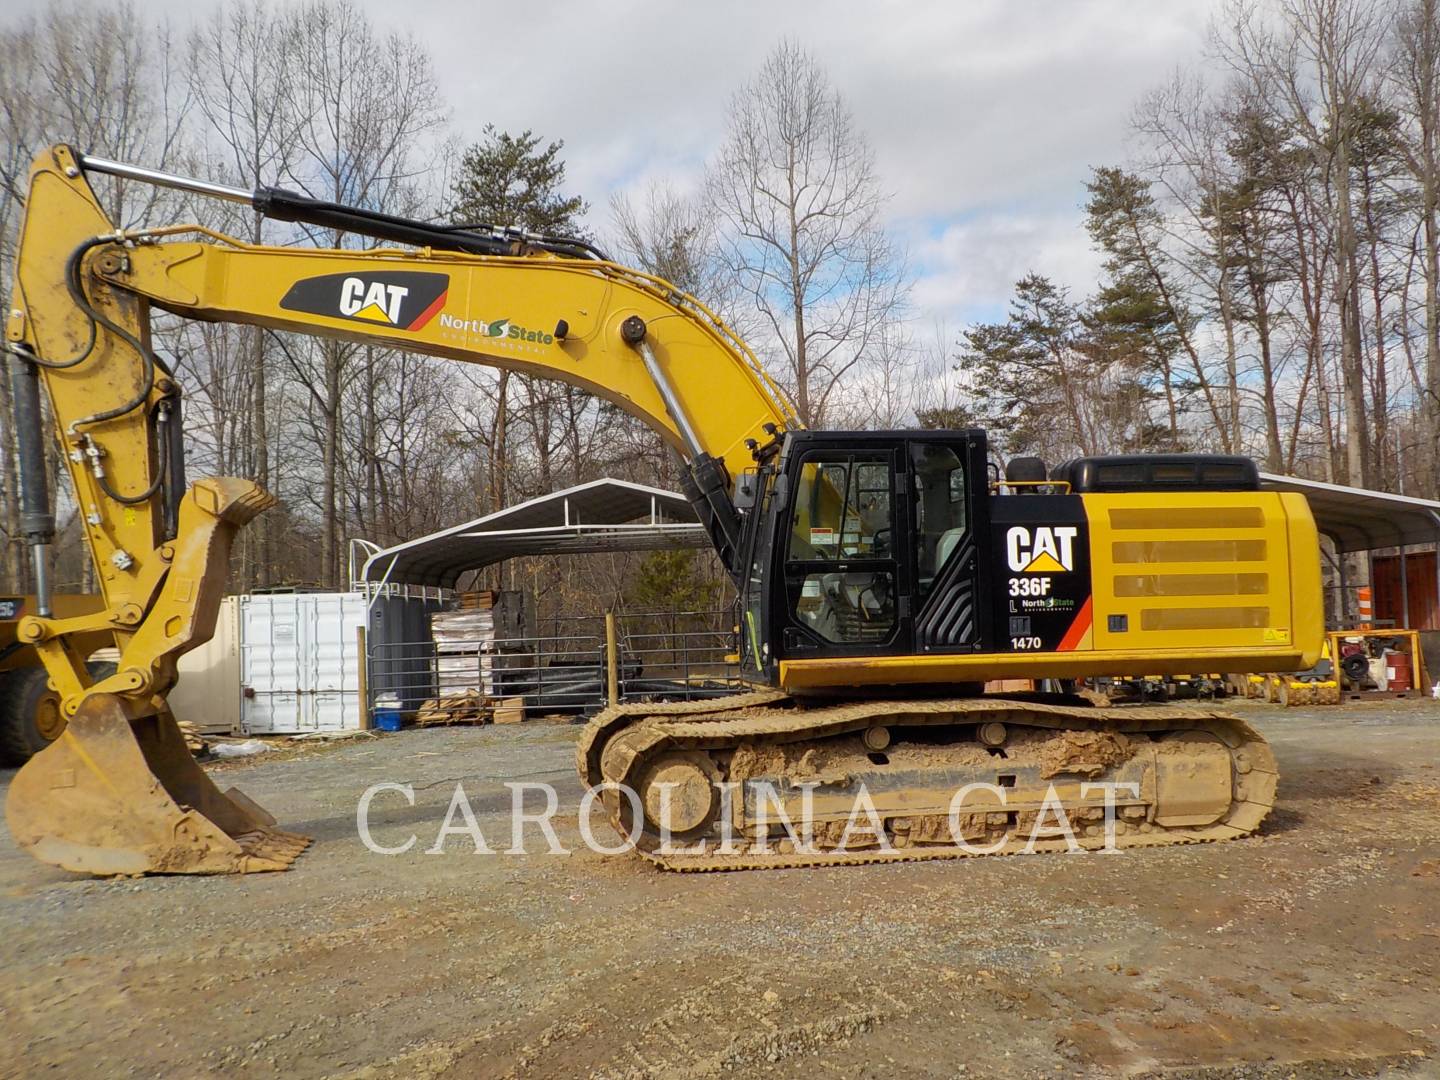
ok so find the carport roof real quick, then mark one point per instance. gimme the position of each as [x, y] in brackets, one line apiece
[603, 515]
[1357, 519]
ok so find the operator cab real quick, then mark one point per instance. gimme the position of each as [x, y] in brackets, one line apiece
[864, 543]
[908, 543]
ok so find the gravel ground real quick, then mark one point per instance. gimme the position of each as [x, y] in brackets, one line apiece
[1311, 950]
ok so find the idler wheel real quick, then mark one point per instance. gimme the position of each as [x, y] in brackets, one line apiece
[679, 792]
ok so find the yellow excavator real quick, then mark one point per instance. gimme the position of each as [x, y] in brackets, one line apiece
[884, 577]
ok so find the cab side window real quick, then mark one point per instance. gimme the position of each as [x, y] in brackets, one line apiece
[940, 509]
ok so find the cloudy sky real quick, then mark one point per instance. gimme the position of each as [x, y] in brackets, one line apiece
[985, 115]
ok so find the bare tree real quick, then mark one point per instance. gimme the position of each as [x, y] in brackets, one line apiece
[941, 399]
[1415, 77]
[799, 202]
[241, 74]
[364, 102]
[884, 394]
[1186, 135]
[670, 235]
[1317, 60]
[104, 80]
[113, 88]
[22, 132]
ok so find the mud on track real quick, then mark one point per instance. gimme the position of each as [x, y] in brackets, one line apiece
[1311, 950]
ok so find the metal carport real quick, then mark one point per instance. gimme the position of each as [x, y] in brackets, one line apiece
[1359, 520]
[603, 515]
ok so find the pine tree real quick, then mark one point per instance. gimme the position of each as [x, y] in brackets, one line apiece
[674, 581]
[1255, 207]
[1135, 317]
[508, 181]
[1027, 374]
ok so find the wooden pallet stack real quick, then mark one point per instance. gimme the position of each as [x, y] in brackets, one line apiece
[467, 707]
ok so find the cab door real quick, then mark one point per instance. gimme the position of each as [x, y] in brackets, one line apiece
[949, 498]
[845, 582]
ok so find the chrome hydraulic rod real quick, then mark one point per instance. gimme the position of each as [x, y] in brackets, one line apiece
[282, 205]
[633, 331]
[163, 179]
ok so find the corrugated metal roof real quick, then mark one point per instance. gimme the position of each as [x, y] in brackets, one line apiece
[1357, 519]
[603, 515]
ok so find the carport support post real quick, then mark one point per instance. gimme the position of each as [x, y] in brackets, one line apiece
[1434, 517]
[1344, 587]
[612, 661]
[1404, 591]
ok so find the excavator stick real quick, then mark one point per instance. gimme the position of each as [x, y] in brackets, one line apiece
[120, 794]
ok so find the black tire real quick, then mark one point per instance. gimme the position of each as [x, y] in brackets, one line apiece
[29, 714]
[1356, 667]
[30, 710]
[101, 669]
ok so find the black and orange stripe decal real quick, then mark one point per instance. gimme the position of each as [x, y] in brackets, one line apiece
[1079, 629]
[430, 312]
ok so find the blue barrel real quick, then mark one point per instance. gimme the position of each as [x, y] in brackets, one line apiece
[388, 714]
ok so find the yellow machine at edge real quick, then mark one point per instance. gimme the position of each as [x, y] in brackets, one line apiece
[883, 577]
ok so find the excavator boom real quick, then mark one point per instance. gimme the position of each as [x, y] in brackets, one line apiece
[116, 792]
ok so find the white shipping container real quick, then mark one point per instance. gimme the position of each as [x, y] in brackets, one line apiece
[300, 662]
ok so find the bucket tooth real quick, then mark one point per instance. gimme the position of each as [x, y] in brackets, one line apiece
[270, 849]
[122, 794]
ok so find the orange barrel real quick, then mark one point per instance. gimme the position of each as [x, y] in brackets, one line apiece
[1397, 671]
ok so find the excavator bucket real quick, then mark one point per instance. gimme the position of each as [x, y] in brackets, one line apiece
[121, 795]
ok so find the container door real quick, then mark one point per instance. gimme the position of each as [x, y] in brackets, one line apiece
[335, 660]
[301, 662]
[271, 650]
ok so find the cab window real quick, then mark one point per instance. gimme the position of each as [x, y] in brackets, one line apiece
[940, 508]
[842, 514]
[841, 511]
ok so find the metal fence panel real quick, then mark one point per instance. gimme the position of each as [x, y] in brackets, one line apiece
[661, 656]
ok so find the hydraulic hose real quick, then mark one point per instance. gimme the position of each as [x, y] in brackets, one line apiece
[72, 284]
[97, 317]
[166, 447]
